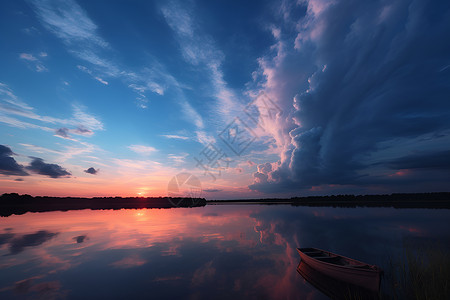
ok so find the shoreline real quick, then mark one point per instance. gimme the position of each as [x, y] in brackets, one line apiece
[15, 204]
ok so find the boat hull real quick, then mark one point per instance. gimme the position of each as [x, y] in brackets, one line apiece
[366, 278]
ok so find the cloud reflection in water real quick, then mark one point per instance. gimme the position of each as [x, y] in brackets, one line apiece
[208, 252]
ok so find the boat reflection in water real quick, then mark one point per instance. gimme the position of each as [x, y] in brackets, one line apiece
[332, 287]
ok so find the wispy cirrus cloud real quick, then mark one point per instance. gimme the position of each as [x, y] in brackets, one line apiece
[12, 108]
[180, 158]
[174, 136]
[7, 95]
[38, 149]
[101, 80]
[88, 71]
[63, 153]
[84, 121]
[200, 50]
[152, 86]
[70, 22]
[34, 61]
[10, 104]
[141, 149]
[192, 114]
[27, 57]
[137, 165]
[11, 121]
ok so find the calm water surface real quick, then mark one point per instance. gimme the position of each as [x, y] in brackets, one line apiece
[212, 252]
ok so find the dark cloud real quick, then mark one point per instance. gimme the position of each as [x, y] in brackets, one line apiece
[260, 177]
[48, 290]
[379, 88]
[39, 290]
[19, 244]
[79, 239]
[265, 168]
[92, 171]
[212, 190]
[5, 237]
[263, 173]
[52, 170]
[8, 165]
[5, 151]
[62, 132]
[433, 160]
[24, 286]
[18, 179]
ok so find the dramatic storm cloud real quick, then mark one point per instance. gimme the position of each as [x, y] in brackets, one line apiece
[8, 165]
[52, 170]
[376, 102]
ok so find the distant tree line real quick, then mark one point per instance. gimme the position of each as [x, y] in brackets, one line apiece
[14, 203]
[405, 200]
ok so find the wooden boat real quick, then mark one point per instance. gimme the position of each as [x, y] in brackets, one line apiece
[342, 268]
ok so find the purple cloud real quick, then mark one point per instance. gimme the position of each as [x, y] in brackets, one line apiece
[92, 171]
[8, 165]
[52, 170]
[364, 89]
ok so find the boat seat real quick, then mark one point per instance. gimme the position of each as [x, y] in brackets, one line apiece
[334, 260]
[314, 254]
[363, 267]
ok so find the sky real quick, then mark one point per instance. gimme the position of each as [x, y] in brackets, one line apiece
[241, 99]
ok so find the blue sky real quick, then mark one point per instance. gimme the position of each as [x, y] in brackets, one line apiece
[324, 97]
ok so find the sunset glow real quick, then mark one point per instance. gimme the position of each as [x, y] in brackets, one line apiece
[256, 100]
[224, 149]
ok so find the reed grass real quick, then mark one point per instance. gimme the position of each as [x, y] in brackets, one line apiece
[422, 273]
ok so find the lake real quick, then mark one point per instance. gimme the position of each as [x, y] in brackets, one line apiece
[211, 252]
